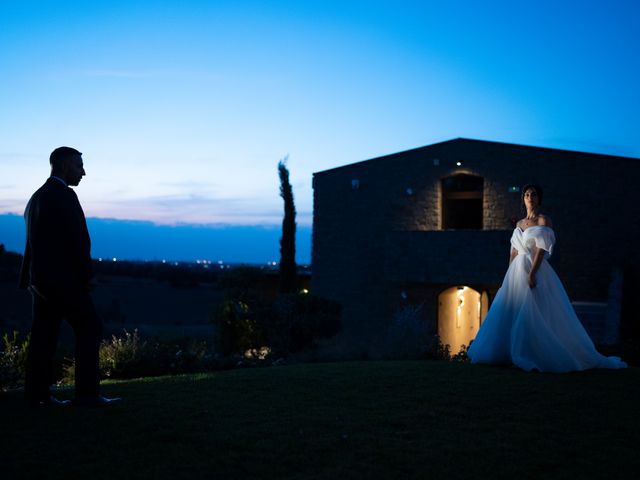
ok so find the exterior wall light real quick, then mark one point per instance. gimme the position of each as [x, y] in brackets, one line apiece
[459, 164]
[514, 189]
[355, 184]
[409, 191]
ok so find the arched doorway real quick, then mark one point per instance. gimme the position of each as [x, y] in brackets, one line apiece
[460, 313]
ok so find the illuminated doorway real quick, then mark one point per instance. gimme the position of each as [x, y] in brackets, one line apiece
[460, 313]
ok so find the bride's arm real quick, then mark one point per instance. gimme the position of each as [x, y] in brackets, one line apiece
[514, 254]
[537, 260]
[543, 220]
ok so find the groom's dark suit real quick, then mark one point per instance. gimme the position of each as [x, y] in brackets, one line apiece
[57, 269]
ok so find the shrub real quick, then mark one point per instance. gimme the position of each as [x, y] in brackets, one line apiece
[297, 321]
[236, 327]
[186, 356]
[408, 335]
[122, 356]
[292, 323]
[462, 355]
[443, 352]
[440, 351]
[13, 360]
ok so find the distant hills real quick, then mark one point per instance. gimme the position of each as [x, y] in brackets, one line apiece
[136, 240]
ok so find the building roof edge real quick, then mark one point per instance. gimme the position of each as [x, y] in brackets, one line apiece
[463, 139]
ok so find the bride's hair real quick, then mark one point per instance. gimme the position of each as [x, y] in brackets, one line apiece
[531, 186]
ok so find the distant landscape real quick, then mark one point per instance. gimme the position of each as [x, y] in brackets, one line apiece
[155, 309]
[164, 300]
[136, 240]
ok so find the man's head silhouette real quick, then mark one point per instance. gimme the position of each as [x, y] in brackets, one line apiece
[66, 163]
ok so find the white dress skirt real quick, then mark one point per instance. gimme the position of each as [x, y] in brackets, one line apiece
[535, 328]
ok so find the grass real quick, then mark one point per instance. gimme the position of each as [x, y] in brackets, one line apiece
[338, 421]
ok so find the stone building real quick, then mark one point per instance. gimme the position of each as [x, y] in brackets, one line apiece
[429, 228]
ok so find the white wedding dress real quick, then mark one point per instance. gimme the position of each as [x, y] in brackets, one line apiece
[535, 328]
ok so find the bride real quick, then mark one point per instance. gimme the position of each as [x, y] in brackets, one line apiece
[531, 322]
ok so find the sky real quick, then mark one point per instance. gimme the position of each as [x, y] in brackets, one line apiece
[183, 109]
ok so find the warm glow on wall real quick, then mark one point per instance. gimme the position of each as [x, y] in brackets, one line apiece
[458, 316]
[460, 304]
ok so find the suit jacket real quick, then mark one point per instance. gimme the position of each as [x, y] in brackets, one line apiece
[57, 256]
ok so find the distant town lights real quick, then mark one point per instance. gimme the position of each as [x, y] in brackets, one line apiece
[204, 262]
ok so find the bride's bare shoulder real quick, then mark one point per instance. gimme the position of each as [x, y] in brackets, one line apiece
[545, 220]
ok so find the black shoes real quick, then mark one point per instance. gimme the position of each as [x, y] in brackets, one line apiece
[97, 401]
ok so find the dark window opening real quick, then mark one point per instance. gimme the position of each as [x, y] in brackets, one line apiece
[462, 202]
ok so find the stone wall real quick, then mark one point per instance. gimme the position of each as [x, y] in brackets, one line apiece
[447, 257]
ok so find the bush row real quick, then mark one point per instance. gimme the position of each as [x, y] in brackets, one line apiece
[129, 356]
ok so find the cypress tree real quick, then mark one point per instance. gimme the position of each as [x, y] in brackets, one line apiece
[288, 280]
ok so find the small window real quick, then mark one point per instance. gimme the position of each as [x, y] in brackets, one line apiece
[462, 202]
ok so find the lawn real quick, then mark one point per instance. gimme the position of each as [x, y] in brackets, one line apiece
[338, 421]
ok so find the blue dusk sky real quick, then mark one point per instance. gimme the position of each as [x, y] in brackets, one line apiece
[182, 109]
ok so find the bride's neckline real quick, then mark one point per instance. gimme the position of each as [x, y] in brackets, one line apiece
[534, 226]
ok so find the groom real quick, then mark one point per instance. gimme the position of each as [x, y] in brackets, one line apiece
[58, 272]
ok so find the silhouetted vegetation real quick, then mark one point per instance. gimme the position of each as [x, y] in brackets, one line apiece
[288, 280]
[296, 322]
[250, 318]
[10, 264]
[130, 356]
[237, 327]
[13, 360]
[291, 324]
